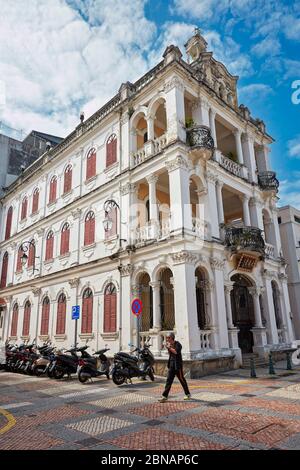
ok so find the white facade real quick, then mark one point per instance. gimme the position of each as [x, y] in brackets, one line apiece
[289, 218]
[188, 238]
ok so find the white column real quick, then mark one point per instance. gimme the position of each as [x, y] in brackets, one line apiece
[70, 324]
[155, 336]
[174, 92]
[76, 234]
[212, 125]
[263, 158]
[228, 288]
[152, 180]
[150, 127]
[212, 204]
[269, 308]
[217, 266]
[7, 318]
[180, 207]
[125, 141]
[286, 307]
[249, 157]
[238, 144]
[255, 292]
[220, 202]
[277, 238]
[185, 302]
[126, 317]
[246, 212]
[256, 215]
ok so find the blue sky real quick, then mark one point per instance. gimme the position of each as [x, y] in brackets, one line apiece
[60, 56]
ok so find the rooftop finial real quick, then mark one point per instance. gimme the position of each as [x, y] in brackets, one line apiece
[197, 31]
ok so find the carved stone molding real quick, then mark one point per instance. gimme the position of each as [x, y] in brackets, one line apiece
[267, 274]
[74, 282]
[8, 299]
[211, 176]
[36, 291]
[76, 213]
[155, 284]
[217, 263]
[256, 291]
[184, 257]
[175, 82]
[178, 162]
[283, 276]
[228, 287]
[152, 178]
[126, 270]
[128, 188]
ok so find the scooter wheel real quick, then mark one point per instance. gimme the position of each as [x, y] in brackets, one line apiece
[38, 371]
[118, 378]
[58, 373]
[82, 377]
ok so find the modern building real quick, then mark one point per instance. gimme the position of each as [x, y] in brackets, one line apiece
[164, 194]
[289, 224]
[16, 155]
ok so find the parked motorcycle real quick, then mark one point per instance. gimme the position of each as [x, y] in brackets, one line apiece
[42, 362]
[93, 366]
[127, 365]
[68, 363]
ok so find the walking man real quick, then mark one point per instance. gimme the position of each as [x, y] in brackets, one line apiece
[175, 368]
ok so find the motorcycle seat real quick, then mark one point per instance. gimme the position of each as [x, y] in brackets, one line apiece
[128, 356]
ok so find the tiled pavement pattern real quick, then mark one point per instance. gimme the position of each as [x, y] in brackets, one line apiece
[228, 411]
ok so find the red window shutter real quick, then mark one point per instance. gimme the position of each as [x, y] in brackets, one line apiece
[68, 179]
[89, 229]
[111, 150]
[65, 240]
[87, 312]
[91, 164]
[61, 316]
[14, 321]
[4, 270]
[106, 327]
[49, 246]
[24, 208]
[45, 317]
[35, 201]
[113, 312]
[110, 309]
[19, 260]
[26, 320]
[31, 256]
[8, 223]
[53, 189]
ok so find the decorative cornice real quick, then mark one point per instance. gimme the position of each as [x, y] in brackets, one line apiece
[74, 282]
[175, 82]
[217, 263]
[126, 270]
[256, 291]
[128, 188]
[211, 176]
[267, 274]
[155, 284]
[184, 257]
[178, 162]
[36, 291]
[76, 213]
[152, 178]
[228, 287]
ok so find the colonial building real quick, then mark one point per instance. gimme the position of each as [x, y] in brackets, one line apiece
[164, 194]
[289, 224]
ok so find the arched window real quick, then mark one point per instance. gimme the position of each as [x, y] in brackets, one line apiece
[65, 239]
[167, 309]
[31, 254]
[14, 321]
[49, 246]
[35, 201]
[53, 189]
[89, 229]
[8, 223]
[201, 283]
[26, 319]
[61, 315]
[91, 164]
[68, 179]
[45, 316]
[4, 270]
[112, 215]
[87, 311]
[19, 259]
[110, 309]
[111, 150]
[24, 208]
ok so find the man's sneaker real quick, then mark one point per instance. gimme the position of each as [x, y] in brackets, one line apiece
[187, 397]
[162, 399]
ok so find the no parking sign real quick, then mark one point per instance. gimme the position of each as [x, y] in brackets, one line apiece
[136, 307]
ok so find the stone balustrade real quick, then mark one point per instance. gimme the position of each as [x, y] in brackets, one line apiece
[205, 339]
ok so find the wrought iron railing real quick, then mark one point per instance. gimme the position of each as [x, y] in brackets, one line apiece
[267, 181]
[244, 238]
[199, 136]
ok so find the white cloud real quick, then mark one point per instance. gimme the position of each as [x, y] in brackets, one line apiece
[54, 62]
[289, 193]
[294, 148]
[202, 10]
[255, 91]
[267, 47]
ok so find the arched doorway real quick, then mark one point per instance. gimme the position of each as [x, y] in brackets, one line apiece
[167, 310]
[201, 299]
[243, 311]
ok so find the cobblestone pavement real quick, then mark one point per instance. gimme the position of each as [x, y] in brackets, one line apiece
[227, 411]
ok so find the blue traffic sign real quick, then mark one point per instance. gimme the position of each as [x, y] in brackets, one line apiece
[75, 312]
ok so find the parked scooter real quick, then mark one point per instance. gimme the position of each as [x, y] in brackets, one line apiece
[67, 363]
[93, 366]
[127, 366]
[42, 362]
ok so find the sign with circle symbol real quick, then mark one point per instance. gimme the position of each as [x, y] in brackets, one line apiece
[136, 307]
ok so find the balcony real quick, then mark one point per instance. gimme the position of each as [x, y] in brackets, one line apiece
[244, 240]
[267, 181]
[230, 165]
[152, 231]
[148, 150]
[200, 141]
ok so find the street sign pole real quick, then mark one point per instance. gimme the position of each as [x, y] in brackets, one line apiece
[75, 342]
[136, 308]
[75, 316]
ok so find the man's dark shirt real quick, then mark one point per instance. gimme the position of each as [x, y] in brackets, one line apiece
[175, 360]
